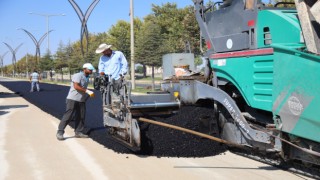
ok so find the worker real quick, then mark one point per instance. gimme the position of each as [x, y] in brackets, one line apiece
[114, 65]
[76, 102]
[34, 79]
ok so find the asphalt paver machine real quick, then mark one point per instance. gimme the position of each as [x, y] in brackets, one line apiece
[262, 76]
[119, 114]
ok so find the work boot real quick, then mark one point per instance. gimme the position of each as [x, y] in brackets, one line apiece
[60, 136]
[81, 135]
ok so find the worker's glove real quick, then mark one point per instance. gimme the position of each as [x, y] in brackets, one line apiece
[90, 93]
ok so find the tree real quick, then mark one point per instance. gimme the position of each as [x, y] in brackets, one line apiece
[173, 23]
[285, 3]
[166, 30]
[95, 41]
[149, 46]
[46, 62]
[119, 37]
[191, 30]
[179, 28]
[61, 58]
[26, 63]
[167, 18]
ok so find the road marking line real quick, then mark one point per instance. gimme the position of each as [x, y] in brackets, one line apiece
[31, 158]
[84, 157]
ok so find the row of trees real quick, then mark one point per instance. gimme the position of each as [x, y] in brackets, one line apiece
[166, 30]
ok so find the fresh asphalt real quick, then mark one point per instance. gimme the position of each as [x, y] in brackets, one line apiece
[156, 141]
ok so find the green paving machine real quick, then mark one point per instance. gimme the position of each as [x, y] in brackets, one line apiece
[261, 78]
[267, 60]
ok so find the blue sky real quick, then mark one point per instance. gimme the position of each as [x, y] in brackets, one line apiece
[14, 14]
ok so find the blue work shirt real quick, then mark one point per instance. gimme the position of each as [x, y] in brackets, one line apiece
[114, 65]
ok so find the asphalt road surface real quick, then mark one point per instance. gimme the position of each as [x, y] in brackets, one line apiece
[29, 149]
[156, 141]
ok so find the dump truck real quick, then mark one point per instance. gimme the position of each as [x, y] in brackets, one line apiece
[260, 78]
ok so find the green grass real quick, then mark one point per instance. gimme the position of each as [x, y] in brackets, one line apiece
[148, 78]
[139, 77]
[138, 89]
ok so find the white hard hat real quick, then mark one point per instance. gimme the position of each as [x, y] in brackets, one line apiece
[88, 66]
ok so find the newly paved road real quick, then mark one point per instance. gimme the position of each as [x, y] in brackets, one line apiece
[29, 149]
[157, 141]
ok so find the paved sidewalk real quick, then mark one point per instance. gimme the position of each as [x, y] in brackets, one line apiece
[30, 150]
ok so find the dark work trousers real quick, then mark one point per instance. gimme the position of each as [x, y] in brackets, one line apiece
[74, 109]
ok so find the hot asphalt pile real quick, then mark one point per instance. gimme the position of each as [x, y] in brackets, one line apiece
[156, 140]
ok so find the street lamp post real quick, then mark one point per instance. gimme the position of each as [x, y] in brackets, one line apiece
[13, 51]
[36, 42]
[84, 19]
[47, 17]
[1, 62]
[27, 70]
[132, 45]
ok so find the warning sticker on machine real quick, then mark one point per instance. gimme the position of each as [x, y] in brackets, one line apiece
[295, 106]
[220, 62]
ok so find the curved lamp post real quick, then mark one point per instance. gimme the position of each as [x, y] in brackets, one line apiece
[47, 16]
[84, 18]
[1, 62]
[13, 51]
[36, 43]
